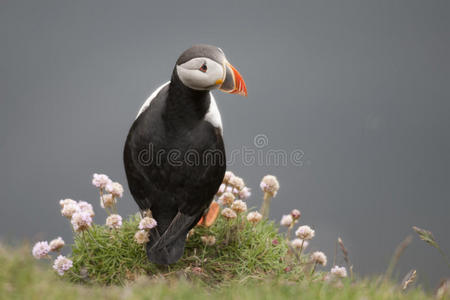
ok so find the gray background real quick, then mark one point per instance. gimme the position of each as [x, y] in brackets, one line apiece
[361, 87]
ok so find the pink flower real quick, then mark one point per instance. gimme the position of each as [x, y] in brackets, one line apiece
[81, 221]
[269, 184]
[86, 207]
[100, 180]
[245, 193]
[62, 264]
[295, 213]
[114, 221]
[57, 244]
[115, 188]
[286, 220]
[147, 223]
[41, 249]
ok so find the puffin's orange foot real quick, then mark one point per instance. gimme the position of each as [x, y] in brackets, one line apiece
[211, 216]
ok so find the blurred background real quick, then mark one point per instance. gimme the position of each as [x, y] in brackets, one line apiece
[361, 88]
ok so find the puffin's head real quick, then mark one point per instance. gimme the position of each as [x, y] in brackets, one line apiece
[205, 67]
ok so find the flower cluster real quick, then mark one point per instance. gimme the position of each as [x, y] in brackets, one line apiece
[80, 213]
[42, 250]
[145, 225]
[109, 191]
[235, 185]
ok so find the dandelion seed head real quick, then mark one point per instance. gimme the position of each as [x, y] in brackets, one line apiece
[141, 237]
[115, 188]
[254, 217]
[340, 272]
[229, 213]
[305, 232]
[114, 221]
[41, 249]
[62, 264]
[319, 257]
[56, 244]
[239, 206]
[100, 180]
[269, 184]
[81, 221]
[286, 220]
[208, 240]
[147, 223]
[227, 199]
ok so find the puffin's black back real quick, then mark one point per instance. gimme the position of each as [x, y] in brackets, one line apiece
[174, 123]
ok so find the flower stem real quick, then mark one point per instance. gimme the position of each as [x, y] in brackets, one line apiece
[265, 208]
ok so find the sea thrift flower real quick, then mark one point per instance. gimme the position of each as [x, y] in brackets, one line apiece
[227, 199]
[286, 220]
[115, 188]
[141, 237]
[69, 209]
[244, 193]
[229, 213]
[254, 217]
[269, 184]
[65, 202]
[236, 182]
[239, 206]
[114, 221]
[56, 244]
[275, 242]
[208, 240]
[62, 264]
[86, 207]
[221, 190]
[108, 201]
[147, 223]
[41, 250]
[81, 221]
[100, 180]
[295, 213]
[299, 244]
[305, 232]
[340, 272]
[319, 257]
[227, 177]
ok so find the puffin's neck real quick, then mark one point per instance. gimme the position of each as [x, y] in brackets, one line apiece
[185, 105]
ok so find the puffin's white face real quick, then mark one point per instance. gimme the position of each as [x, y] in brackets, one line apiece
[201, 73]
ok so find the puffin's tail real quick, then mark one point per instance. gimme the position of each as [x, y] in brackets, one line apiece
[168, 248]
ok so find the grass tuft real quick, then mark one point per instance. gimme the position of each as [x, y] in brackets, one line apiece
[111, 256]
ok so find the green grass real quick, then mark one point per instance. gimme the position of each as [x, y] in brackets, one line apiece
[105, 256]
[22, 277]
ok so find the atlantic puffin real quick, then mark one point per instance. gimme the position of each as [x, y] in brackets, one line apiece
[174, 154]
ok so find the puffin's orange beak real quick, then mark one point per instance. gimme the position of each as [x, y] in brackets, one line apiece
[233, 82]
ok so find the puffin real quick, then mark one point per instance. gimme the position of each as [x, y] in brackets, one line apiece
[174, 154]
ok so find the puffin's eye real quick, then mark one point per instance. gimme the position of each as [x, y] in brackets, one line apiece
[204, 68]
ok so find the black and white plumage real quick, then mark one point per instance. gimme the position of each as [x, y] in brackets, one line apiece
[174, 154]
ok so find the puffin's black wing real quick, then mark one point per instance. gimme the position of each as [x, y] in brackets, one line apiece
[175, 172]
